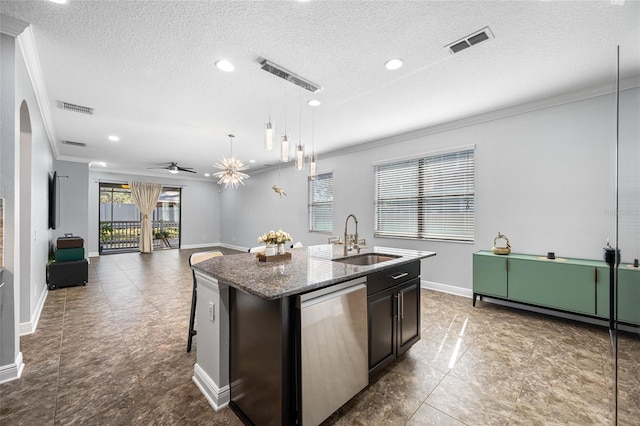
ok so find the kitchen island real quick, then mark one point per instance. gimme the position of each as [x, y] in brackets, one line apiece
[262, 345]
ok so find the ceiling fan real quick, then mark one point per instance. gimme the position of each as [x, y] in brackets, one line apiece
[174, 168]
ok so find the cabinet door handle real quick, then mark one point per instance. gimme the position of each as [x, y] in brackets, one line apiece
[396, 277]
[595, 273]
[401, 305]
[398, 307]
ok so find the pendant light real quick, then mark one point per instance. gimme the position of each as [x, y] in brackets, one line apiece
[299, 157]
[269, 129]
[285, 148]
[299, 146]
[231, 169]
[313, 160]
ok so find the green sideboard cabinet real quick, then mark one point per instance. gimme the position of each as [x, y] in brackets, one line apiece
[629, 294]
[490, 276]
[602, 292]
[558, 285]
[570, 285]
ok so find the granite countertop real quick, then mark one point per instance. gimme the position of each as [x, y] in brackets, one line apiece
[308, 269]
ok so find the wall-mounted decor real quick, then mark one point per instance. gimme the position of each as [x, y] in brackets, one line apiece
[54, 199]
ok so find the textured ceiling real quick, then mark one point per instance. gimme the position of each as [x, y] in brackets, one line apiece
[147, 68]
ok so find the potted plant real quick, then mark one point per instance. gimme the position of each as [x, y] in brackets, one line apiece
[161, 234]
[106, 232]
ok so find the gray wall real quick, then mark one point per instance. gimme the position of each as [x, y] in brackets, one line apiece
[629, 181]
[544, 178]
[200, 221]
[73, 184]
[9, 340]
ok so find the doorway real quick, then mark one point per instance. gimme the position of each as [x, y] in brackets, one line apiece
[119, 219]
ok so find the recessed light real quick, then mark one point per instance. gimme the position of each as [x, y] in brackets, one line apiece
[207, 174]
[224, 65]
[314, 102]
[59, 1]
[97, 164]
[114, 138]
[252, 161]
[393, 64]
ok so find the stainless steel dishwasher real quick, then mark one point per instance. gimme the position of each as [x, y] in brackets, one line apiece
[334, 349]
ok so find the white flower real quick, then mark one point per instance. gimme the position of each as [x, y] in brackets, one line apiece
[277, 237]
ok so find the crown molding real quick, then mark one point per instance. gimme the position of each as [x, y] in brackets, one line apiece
[549, 102]
[29, 52]
[11, 26]
[138, 172]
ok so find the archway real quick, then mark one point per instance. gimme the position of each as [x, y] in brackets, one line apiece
[25, 217]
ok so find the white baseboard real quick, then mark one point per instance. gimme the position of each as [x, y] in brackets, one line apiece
[94, 254]
[195, 246]
[12, 371]
[218, 397]
[445, 288]
[234, 247]
[30, 327]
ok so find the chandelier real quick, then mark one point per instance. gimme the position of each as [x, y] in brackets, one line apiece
[231, 169]
[285, 143]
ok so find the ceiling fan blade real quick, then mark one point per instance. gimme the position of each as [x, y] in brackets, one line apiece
[174, 168]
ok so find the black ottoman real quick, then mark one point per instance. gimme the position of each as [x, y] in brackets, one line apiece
[67, 274]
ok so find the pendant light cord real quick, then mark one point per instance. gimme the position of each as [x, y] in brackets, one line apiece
[313, 131]
[300, 115]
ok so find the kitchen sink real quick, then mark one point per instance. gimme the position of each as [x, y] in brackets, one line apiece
[366, 259]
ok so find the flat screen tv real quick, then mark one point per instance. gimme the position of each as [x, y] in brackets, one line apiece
[54, 200]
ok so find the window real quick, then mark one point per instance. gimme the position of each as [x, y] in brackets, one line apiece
[426, 198]
[321, 203]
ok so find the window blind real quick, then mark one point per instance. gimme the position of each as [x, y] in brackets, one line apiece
[426, 198]
[321, 203]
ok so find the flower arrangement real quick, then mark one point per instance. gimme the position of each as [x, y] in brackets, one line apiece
[278, 237]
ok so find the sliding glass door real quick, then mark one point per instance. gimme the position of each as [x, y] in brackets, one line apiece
[119, 221]
[626, 313]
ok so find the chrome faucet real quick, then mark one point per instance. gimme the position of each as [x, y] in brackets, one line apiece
[347, 246]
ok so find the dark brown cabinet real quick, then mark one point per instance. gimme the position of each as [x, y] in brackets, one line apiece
[409, 317]
[393, 314]
[382, 330]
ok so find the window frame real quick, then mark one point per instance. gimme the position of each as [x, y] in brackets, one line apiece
[448, 196]
[314, 205]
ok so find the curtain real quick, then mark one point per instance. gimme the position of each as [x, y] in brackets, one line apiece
[146, 197]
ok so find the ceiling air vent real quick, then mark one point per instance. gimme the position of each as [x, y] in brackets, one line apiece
[75, 108]
[470, 40]
[72, 143]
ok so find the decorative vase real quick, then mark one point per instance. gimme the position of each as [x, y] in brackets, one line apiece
[501, 250]
[281, 248]
[270, 250]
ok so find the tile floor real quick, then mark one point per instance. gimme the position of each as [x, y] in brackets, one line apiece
[113, 353]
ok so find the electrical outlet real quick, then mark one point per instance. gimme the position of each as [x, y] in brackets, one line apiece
[211, 311]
